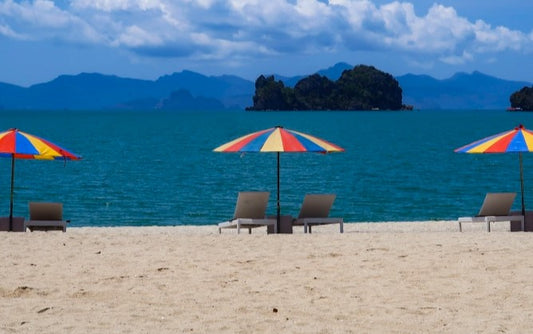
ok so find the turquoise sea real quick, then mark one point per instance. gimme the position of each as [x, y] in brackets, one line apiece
[147, 168]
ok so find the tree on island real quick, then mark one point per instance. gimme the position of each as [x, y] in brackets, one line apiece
[314, 93]
[272, 94]
[362, 88]
[522, 99]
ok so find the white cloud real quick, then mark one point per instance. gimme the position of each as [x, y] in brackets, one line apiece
[457, 59]
[500, 38]
[41, 19]
[398, 17]
[135, 36]
[8, 32]
[40, 12]
[239, 28]
[354, 13]
[117, 5]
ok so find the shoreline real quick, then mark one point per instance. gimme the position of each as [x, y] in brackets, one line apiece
[375, 278]
[349, 227]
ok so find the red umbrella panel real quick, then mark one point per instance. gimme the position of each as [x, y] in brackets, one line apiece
[16, 144]
[278, 140]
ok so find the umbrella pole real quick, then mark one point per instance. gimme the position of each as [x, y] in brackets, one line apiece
[12, 190]
[522, 185]
[278, 222]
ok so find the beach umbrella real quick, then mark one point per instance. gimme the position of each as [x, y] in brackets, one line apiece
[517, 140]
[278, 140]
[16, 144]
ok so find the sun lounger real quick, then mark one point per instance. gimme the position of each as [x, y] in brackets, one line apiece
[250, 212]
[315, 211]
[496, 207]
[46, 216]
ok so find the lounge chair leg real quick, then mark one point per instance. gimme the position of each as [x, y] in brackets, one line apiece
[249, 230]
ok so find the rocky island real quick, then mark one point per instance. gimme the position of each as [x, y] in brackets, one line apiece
[522, 100]
[361, 88]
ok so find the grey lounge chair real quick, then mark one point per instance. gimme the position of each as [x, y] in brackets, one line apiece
[46, 216]
[496, 207]
[250, 212]
[315, 211]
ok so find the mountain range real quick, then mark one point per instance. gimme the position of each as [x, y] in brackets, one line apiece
[188, 90]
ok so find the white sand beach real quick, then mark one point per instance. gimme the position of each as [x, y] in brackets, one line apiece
[420, 277]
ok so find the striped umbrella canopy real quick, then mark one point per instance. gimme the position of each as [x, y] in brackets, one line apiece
[517, 140]
[278, 140]
[16, 144]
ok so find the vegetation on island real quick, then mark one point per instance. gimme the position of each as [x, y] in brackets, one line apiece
[361, 88]
[522, 99]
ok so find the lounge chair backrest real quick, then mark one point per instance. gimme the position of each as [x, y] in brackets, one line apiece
[46, 211]
[251, 204]
[497, 204]
[316, 205]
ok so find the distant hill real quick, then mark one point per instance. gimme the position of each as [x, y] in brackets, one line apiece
[8, 92]
[461, 91]
[93, 91]
[228, 89]
[332, 73]
[186, 89]
[183, 100]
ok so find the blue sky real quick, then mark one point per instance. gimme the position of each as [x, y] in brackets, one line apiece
[42, 39]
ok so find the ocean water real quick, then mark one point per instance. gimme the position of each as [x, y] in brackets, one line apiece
[147, 168]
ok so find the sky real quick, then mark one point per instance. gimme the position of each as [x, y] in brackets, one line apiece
[146, 39]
